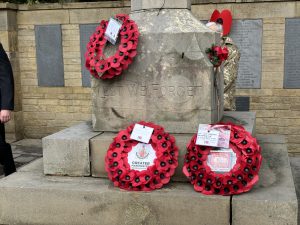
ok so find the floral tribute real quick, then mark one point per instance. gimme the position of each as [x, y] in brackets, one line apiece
[106, 68]
[241, 178]
[154, 176]
[217, 54]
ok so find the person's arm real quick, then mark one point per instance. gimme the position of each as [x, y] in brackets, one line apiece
[6, 82]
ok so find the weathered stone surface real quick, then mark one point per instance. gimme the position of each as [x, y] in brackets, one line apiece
[31, 198]
[8, 20]
[43, 17]
[170, 82]
[159, 4]
[100, 144]
[35, 166]
[246, 119]
[67, 152]
[273, 200]
[295, 164]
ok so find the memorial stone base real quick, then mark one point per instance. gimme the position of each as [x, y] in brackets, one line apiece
[171, 81]
[31, 197]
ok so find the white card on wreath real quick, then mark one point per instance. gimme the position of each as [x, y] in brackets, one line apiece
[222, 160]
[141, 133]
[141, 157]
[112, 30]
[213, 135]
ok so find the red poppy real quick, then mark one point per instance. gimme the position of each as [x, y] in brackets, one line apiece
[114, 62]
[132, 53]
[123, 17]
[102, 66]
[127, 60]
[125, 47]
[125, 29]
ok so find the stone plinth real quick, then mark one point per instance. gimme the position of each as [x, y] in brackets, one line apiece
[67, 152]
[170, 82]
[245, 119]
[29, 197]
[273, 200]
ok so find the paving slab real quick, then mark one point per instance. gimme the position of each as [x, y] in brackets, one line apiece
[25, 151]
[67, 152]
[273, 200]
[33, 198]
[34, 166]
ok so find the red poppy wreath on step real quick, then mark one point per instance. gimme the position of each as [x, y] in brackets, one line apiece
[158, 160]
[106, 68]
[241, 178]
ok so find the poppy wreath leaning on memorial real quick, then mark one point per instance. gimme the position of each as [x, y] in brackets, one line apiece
[128, 174]
[106, 68]
[217, 55]
[241, 178]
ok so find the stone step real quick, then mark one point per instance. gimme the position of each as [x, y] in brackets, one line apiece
[67, 152]
[79, 151]
[273, 200]
[29, 197]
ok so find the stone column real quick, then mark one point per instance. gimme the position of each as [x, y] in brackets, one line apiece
[9, 40]
[171, 81]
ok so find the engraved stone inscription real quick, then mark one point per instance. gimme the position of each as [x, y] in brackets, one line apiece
[247, 34]
[292, 54]
[173, 93]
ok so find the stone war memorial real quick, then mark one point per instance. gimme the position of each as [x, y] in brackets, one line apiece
[169, 88]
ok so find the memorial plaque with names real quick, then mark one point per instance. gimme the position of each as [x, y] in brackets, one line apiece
[247, 34]
[292, 54]
[86, 30]
[50, 67]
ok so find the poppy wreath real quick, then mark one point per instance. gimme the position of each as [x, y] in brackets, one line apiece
[241, 178]
[156, 175]
[217, 55]
[106, 68]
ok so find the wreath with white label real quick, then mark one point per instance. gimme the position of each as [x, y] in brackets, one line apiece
[136, 166]
[241, 178]
[106, 68]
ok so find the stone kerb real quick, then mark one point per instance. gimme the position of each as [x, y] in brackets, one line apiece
[170, 82]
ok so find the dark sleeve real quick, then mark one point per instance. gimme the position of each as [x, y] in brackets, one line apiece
[6, 82]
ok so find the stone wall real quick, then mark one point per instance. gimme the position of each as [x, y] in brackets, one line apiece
[46, 110]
